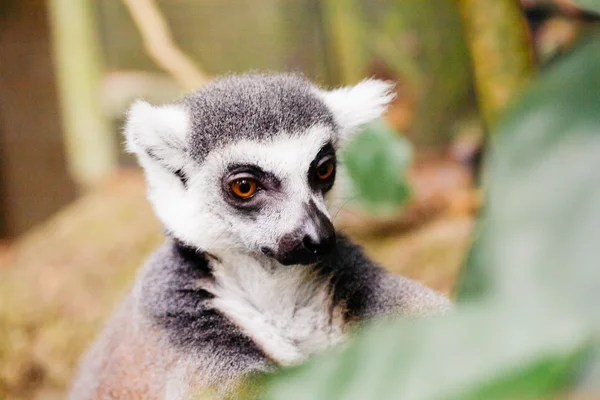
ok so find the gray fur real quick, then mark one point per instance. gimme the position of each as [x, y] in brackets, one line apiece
[173, 298]
[369, 291]
[176, 298]
[254, 107]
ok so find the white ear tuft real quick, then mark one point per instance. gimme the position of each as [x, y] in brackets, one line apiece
[158, 132]
[354, 106]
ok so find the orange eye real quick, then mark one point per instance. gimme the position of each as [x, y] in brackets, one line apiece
[325, 170]
[244, 188]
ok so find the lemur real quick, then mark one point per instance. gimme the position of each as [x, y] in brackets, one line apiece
[252, 275]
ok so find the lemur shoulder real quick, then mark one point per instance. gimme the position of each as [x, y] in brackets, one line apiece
[252, 275]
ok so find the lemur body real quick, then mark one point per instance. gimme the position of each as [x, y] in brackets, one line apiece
[252, 275]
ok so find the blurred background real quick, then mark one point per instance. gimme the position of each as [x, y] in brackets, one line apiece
[74, 222]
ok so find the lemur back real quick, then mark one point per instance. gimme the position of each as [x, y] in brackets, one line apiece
[252, 275]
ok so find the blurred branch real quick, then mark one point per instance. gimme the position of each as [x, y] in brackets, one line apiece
[91, 146]
[501, 51]
[159, 43]
[346, 38]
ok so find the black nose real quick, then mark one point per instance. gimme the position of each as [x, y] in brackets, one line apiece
[308, 243]
[319, 246]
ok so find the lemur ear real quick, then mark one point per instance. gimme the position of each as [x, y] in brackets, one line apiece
[158, 132]
[353, 106]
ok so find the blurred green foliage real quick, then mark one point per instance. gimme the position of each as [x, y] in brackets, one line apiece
[502, 52]
[418, 43]
[423, 43]
[531, 335]
[589, 5]
[542, 179]
[376, 161]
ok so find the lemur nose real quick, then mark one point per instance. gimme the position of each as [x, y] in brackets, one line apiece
[319, 246]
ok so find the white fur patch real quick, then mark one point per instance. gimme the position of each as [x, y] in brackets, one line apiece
[159, 131]
[354, 106]
[199, 215]
[285, 310]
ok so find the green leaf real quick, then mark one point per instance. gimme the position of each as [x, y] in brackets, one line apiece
[589, 5]
[474, 280]
[480, 353]
[589, 381]
[538, 379]
[541, 223]
[376, 161]
[542, 218]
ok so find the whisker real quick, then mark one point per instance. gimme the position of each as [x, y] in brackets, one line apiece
[215, 241]
[343, 198]
[360, 217]
[340, 209]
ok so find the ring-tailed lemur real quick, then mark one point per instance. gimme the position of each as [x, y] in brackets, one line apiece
[253, 274]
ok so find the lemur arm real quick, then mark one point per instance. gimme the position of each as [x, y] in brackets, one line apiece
[368, 290]
[392, 294]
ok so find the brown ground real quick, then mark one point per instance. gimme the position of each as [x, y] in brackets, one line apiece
[58, 283]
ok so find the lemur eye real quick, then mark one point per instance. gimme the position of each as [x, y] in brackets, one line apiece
[244, 188]
[325, 168]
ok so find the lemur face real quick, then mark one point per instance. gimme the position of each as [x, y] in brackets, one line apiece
[247, 163]
[272, 194]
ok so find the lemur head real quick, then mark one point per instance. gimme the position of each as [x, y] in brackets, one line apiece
[246, 162]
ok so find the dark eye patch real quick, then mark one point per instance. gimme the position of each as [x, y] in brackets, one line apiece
[267, 182]
[326, 152]
[266, 179]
